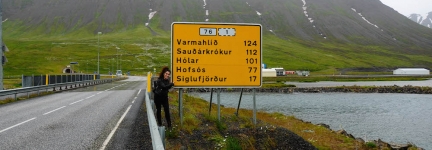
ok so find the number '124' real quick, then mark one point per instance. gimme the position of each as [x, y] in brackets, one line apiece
[250, 43]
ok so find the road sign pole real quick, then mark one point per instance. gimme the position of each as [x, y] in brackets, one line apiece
[181, 106]
[98, 53]
[1, 44]
[218, 104]
[211, 100]
[254, 106]
[238, 107]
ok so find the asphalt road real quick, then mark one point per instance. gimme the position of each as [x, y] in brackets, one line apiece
[77, 119]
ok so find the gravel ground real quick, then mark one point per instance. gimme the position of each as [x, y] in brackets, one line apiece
[139, 137]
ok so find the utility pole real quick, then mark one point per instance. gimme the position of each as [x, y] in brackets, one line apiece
[1, 44]
[98, 51]
[117, 59]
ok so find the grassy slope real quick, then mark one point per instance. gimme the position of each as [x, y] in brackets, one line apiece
[37, 53]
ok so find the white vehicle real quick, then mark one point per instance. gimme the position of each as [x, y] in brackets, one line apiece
[119, 73]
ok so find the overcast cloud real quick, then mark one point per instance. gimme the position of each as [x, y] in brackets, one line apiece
[408, 7]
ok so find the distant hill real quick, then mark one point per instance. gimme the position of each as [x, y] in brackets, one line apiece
[298, 34]
[426, 21]
[351, 21]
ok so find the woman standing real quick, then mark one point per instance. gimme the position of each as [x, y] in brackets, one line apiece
[163, 83]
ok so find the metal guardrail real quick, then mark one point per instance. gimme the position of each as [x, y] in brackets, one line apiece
[38, 80]
[54, 86]
[155, 135]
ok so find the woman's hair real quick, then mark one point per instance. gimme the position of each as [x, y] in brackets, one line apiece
[161, 74]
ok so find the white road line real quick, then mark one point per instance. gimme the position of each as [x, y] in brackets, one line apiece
[105, 143]
[54, 110]
[139, 92]
[76, 102]
[89, 97]
[17, 125]
[99, 93]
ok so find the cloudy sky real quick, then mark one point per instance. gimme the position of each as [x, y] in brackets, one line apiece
[407, 7]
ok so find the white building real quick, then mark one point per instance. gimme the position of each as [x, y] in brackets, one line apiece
[303, 73]
[279, 71]
[411, 71]
[269, 73]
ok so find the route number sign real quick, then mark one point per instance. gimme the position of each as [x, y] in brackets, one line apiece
[216, 55]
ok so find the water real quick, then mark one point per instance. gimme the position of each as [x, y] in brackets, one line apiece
[397, 118]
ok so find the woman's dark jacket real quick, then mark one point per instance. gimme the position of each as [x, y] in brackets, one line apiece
[165, 85]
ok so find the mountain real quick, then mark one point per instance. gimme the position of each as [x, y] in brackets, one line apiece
[297, 34]
[351, 21]
[426, 21]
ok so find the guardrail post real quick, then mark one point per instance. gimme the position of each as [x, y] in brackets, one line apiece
[15, 96]
[47, 79]
[162, 134]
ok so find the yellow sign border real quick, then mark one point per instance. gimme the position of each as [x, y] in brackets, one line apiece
[213, 23]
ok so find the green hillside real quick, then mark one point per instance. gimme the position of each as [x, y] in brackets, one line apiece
[139, 51]
[44, 36]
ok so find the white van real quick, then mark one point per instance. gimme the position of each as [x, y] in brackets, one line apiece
[119, 73]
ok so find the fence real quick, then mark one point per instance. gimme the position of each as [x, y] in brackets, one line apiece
[29, 81]
[54, 86]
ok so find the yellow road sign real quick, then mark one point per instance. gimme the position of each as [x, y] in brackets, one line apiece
[216, 54]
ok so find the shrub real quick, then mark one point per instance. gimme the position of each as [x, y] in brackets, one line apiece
[233, 144]
[221, 126]
[172, 133]
[370, 144]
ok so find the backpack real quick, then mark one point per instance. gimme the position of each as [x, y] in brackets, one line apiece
[156, 90]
